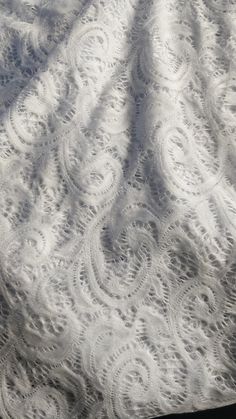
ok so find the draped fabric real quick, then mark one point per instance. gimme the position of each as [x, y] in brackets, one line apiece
[117, 207]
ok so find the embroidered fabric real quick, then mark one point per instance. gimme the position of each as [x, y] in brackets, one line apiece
[118, 207]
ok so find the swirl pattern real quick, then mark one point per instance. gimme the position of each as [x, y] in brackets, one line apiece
[117, 208]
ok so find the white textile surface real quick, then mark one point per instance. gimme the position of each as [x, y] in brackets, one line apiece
[117, 207]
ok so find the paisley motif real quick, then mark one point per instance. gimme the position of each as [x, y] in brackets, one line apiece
[117, 208]
[95, 180]
[119, 272]
[185, 169]
[166, 58]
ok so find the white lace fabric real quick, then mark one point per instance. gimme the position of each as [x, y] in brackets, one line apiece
[117, 207]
